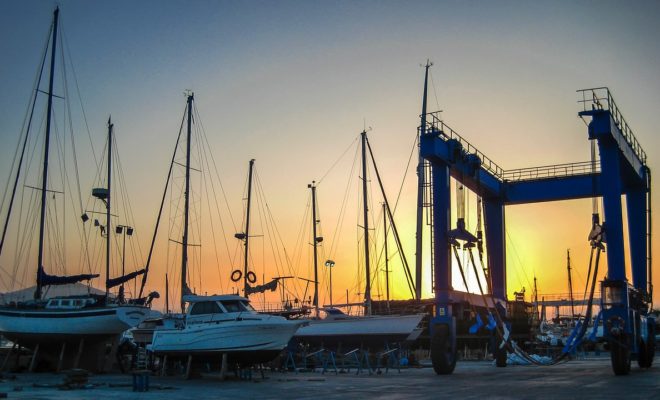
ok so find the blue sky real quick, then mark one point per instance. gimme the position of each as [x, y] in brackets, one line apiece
[291, 83]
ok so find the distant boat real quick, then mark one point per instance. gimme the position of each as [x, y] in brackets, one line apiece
[219, 323]
[332, 327]
[62, 319]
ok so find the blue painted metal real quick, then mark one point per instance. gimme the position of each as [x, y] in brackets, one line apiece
[494, 223]
[636, 208]
[622, 170]
[441, 247]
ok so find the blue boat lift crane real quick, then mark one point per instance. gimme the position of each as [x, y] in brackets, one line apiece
[620, 170]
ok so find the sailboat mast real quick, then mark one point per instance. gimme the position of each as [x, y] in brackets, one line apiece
[387, 265]
[186, 195]
[315, 243]
[107, 211]
[247, 230]
[367, 289]
[570, 282]
[421, 181]
[44, 183]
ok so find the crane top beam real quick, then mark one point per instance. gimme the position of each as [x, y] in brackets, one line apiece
[569, 181]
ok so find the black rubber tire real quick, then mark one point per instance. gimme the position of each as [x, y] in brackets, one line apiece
[650, 349]
[642, 356]
[620, 356]
[646, 352]
[500, 357]
[442, 355]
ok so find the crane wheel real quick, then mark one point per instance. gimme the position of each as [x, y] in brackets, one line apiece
[646, 351]
[620, 355]
[443, 356]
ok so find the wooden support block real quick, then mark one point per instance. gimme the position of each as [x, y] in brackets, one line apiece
[61, 358]
[33, 362]
[223, 367]
[189, 367]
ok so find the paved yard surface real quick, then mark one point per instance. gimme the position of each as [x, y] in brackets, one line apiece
[584, 379]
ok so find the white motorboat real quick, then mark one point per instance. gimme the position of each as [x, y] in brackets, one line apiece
[225, 324]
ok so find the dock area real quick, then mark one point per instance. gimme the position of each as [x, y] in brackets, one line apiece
[589, 378]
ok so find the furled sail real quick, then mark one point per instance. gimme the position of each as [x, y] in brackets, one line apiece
[122, 279]
[46, 279]
[272, 286]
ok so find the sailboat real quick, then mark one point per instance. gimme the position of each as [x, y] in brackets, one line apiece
[331, 326]
[64, 319]
[218, 324]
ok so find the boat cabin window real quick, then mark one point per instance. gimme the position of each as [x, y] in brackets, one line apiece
[236, 306]
[68, 303]
[205, 307]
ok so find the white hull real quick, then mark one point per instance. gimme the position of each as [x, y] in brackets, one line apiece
[40, 325]
[387, 327]
[272, 334]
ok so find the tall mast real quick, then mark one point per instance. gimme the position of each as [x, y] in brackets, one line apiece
[387, 268]
[107, 210]
[367, 289]
[536, 296]
[44, 182]
[315, 243]
[247, 229]
[186, 195]
[570, 282]
[421, 181]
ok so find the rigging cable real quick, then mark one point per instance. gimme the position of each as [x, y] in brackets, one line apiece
[160, 210]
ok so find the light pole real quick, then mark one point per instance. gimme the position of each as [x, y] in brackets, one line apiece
[330, 264]
[123, 230]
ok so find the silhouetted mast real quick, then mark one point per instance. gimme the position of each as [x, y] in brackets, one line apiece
[44, 181]
[316, 240]
[367, 289]
[570, 282]
[107, 211]
[247, 230]
[184, 255]
[421, 182]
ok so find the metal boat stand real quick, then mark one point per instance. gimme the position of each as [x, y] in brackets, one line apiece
[33, 362]
[8, 356]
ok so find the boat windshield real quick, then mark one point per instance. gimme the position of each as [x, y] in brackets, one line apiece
[236, 306]
[205, 307]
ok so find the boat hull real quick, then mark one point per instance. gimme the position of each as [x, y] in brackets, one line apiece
[245, 340]
[34, 326]
[373, 330]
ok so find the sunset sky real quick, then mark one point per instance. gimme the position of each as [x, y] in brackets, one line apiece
[293, 83]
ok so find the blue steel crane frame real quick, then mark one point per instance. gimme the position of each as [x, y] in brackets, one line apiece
[621, 170]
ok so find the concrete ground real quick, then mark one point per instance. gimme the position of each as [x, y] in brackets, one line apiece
[583, 379]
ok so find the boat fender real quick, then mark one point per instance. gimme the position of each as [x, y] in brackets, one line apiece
[251, 277]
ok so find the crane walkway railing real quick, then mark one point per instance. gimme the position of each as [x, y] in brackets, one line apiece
[551, 171]
[601, 99]
[435, 125]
